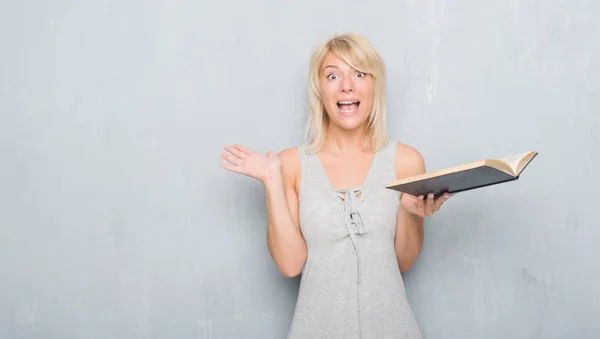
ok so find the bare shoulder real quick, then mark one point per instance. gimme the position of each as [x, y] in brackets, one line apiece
[289, 158]
[409, 161]
[290, 164]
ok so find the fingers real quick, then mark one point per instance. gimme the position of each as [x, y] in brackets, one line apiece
[230, 167]
[427, 207]
[239, 153]
[233, 160]
[421, 206]
[236, 159]
[243, 149]
[441, 200]
[430, 205]
[236, 151]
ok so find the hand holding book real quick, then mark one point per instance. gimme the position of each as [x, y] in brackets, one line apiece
[422, 207]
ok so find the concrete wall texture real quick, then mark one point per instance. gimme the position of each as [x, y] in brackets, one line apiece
[116, 220]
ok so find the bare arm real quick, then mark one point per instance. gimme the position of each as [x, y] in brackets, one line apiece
[284, 239]
[279, 174]
[409, 222]
[409, 227]
[409, 239]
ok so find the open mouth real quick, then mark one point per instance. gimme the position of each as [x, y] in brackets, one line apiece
[348, 107]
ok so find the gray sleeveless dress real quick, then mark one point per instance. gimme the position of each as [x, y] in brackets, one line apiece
[351, 286]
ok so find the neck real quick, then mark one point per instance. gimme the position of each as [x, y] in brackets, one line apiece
[339, 140]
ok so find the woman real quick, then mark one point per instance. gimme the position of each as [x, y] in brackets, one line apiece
[330, 216]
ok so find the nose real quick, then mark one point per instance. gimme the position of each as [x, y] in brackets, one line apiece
[347, 84]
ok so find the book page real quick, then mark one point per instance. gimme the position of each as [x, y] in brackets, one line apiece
[514, 160]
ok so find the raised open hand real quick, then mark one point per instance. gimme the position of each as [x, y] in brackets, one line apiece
[247, 162]
[421, 207]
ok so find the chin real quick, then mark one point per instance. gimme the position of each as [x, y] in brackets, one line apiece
[352, 121]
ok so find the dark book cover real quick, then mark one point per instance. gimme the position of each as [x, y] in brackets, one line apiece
[461, 180]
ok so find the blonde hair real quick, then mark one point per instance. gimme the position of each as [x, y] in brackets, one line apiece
[360, 54]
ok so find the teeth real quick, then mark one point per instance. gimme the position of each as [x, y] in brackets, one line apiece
[348, 102]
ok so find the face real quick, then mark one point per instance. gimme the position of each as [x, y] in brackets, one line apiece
[347, 93]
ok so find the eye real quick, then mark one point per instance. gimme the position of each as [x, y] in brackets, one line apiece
[332, 76]
[361, 74]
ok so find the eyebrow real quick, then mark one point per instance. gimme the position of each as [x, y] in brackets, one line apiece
[330, 66]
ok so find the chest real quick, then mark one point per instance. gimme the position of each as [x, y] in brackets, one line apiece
[325, 214]
[348, 171]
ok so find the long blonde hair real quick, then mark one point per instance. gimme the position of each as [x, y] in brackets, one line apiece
[360, 54]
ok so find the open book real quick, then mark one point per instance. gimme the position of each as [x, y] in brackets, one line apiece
[465, 177]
